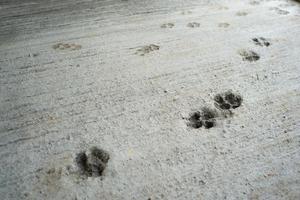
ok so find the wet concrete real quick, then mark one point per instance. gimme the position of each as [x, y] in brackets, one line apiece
[124, 76]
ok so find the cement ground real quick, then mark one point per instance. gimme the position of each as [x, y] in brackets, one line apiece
[125, 75]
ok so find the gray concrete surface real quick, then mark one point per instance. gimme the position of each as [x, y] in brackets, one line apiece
[124, 76]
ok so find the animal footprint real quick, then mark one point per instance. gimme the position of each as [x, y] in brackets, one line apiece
[64, 46]
[223, 25]
[147, 49]
[92, 164]
[193, 24]
[261, 41]
[254, 3]
[250, 56]
[280, 11]
[286, 5]
[220, 7]
[186, 12]
[167, 25]
[241, 13]
[228, 100]
[205, 117]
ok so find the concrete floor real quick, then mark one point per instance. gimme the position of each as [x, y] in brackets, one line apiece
[124, 75]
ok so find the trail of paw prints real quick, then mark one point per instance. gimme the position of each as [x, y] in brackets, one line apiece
[167, 25]
[65, 46]
[207, 117]
[248, 55]
[147, 49]
[92, 164]
[193, 25]
[261, 42]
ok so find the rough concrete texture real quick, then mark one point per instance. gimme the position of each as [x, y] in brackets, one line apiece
[124, 75]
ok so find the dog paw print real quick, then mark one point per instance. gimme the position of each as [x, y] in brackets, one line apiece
[228, 100]
[248, 55]
[254, 3]
[147, 49]
[279, 11]
[167, 25]
[205, 117]
[193, 25]
[286, 5]
[65, 46]
[92, 164]
[187, 12]
[223, 25]
[261, 42]
[241, 13]
[221, 7]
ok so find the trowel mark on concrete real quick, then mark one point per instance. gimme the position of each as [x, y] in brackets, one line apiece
[92, 164]
[205, 117]
[147, 49]
[65, 46]
[248, 55]
[261, 41]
